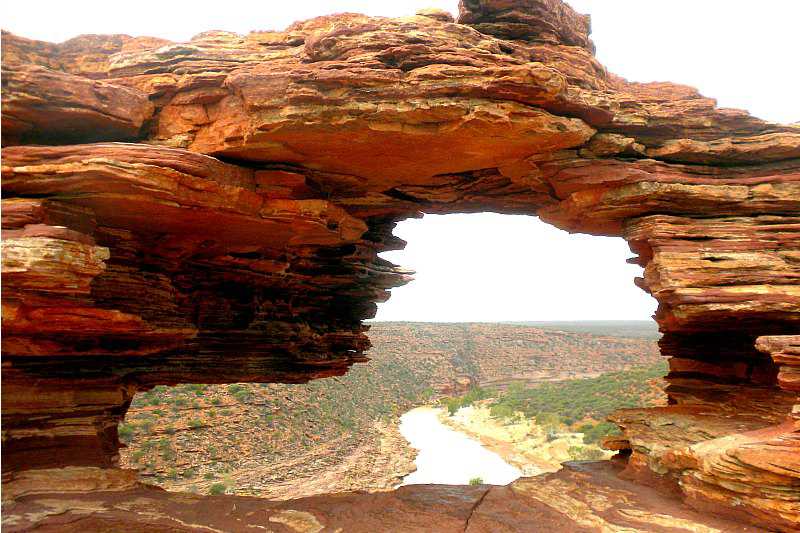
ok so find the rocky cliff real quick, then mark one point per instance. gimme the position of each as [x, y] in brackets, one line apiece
[212, 211]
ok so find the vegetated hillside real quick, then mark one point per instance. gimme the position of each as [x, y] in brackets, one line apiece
[637, 329]
[493, 354]
[246, 438]
[334, 434]
[578, 405]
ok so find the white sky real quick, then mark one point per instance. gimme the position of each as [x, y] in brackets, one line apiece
[490, 267]
[486, 266]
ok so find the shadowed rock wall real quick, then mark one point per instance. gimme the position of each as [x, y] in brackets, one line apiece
[234, 235]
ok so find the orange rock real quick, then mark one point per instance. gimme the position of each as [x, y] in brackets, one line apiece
[48, 106]
[582, 497]
[239, 240]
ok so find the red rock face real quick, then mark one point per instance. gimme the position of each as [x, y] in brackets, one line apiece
[236, 239]
[46, 106]
[582, 498]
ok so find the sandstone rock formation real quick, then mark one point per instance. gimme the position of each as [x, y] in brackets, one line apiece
[236, 238]
[582, 498]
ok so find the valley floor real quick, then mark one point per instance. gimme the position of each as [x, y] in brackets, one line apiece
[520, 441]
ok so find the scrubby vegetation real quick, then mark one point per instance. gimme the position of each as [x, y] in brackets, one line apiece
[573, 400]
[580, 405]
[472, 396]
[217, 488]
[281, 420]
[579, 453]
[203, 437]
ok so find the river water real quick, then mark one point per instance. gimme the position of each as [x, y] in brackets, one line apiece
[447, 456]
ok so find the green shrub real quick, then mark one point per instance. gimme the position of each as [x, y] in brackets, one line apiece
[501, 410]
[473, 395]
[476, 481]
[235, 387]
[596, 433]
[126, 432]
[217, 488]
[453, 405]
[195, 423]
[548, 420]
[242, 396]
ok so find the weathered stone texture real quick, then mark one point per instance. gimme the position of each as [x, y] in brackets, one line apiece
[237, 239]
[49, 106]
[582, 497]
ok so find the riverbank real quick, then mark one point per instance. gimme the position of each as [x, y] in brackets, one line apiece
[520, 441]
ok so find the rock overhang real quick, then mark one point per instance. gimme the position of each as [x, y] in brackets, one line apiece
[236, 239]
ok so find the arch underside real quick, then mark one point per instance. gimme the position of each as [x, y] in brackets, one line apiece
[212, 211]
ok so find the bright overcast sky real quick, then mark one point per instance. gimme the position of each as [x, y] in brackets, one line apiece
[490, 267]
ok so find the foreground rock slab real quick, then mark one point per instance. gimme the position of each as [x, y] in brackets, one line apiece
[586, 497]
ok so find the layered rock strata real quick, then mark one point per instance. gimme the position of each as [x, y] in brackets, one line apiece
[582, 498]
[236, 237]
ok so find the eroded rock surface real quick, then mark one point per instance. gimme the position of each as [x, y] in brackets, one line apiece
[237, 239]
[582, 497]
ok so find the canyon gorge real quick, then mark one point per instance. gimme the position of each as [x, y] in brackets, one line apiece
[211, 212]
[284, 441]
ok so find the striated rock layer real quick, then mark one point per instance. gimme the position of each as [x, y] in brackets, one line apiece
[236, 237]
[584, 497]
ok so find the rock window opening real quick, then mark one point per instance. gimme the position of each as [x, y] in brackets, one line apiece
[536, 390]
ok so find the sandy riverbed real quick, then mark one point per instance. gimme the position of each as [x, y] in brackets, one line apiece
[447, 456]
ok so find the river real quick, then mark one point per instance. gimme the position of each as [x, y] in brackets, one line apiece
[447, 456]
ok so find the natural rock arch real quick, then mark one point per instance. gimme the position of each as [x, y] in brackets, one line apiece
[236, 237]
